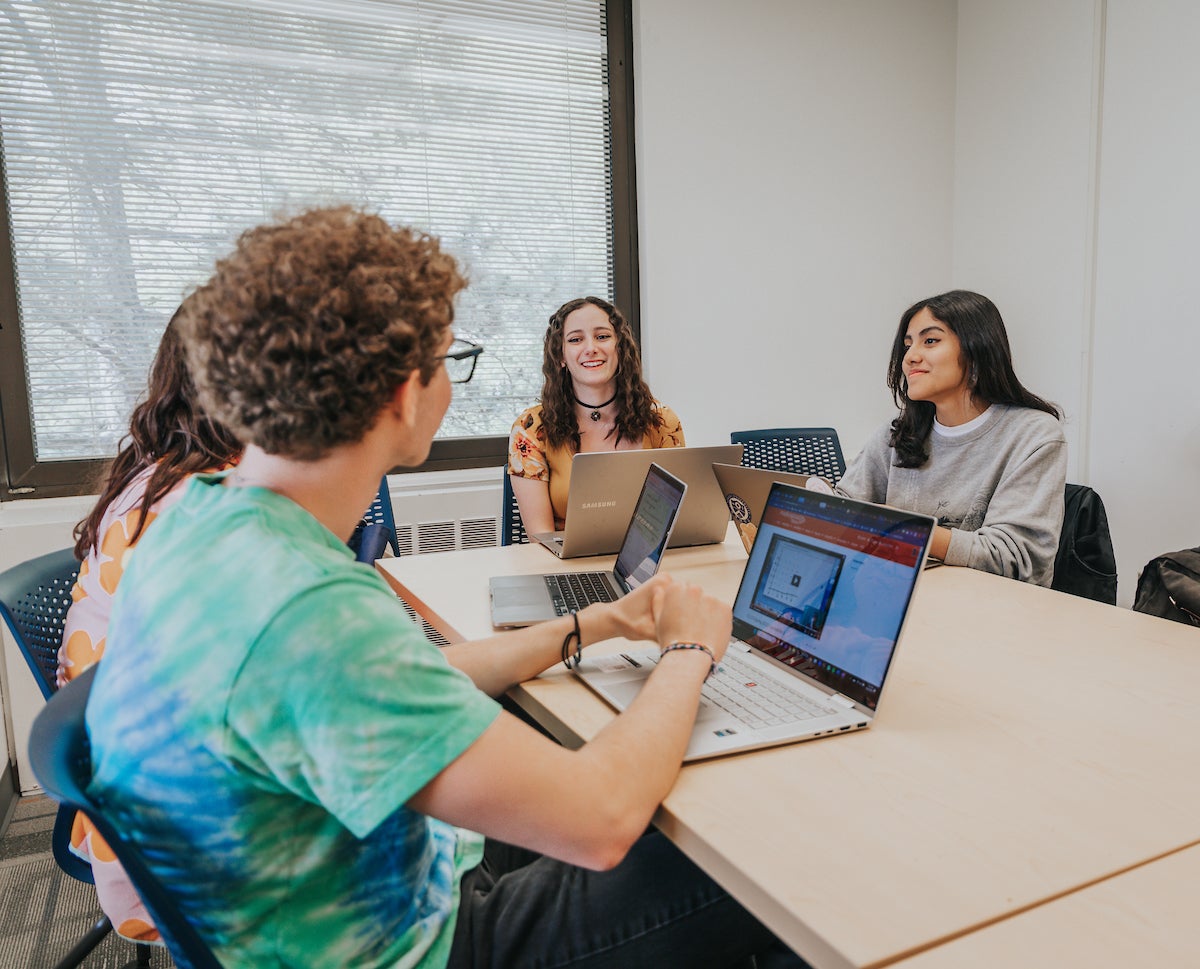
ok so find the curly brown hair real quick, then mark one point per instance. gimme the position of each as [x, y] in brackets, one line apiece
[636, 413]
[308, 327]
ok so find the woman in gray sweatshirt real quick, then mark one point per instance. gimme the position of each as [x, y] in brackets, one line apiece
[971, 446]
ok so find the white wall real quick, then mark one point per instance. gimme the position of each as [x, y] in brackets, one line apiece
[1023, 194]
[795, 177]
[1145, 440]
[1076, 205]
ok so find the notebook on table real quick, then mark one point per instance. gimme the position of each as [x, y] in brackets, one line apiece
[816, 623]
[604, 487]
[746, 490]
[521, 600]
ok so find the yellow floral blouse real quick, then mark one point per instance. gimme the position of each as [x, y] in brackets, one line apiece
[530, 457]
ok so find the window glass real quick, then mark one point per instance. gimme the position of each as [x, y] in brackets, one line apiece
[140, 138]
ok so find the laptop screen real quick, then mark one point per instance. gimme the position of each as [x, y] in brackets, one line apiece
[650, 528]
[827, 586]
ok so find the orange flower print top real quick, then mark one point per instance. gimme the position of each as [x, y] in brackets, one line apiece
[530, 457]
[83, 644]
[100, 573]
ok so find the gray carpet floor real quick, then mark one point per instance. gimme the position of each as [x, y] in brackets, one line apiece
[43, 913]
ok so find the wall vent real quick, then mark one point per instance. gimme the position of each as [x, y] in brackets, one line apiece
[418, 538]
[478, 532]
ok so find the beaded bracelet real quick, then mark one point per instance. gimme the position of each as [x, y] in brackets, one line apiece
[569, 661]
[711, 670]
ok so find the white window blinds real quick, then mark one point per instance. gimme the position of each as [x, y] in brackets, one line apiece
[140, 138]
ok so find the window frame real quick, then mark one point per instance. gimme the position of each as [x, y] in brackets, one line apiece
[26, 477]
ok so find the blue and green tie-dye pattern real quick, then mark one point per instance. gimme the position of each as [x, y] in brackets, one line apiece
[263, 712]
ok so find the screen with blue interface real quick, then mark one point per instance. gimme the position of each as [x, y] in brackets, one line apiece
[650, 528]
[827, 586]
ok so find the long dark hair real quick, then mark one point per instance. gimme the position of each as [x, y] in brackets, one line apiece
[167, 430]
[986, 359]
[635, 405]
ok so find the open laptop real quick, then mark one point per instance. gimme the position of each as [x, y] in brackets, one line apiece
[521, 600]
[816, 623]
[746, 490]
[604, 487]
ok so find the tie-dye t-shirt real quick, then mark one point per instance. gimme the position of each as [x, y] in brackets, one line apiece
[262, 715]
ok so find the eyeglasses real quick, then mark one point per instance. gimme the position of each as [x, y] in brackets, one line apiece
[460, 361]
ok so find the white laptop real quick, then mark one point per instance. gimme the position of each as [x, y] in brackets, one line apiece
[604, 487]
[746, 491]
[521, 600]
[816, 623]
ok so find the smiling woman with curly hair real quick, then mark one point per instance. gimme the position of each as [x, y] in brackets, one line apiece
[593, 399]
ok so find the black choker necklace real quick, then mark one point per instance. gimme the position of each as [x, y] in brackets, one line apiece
[595, 409]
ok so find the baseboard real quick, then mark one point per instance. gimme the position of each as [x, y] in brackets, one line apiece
[8, 797]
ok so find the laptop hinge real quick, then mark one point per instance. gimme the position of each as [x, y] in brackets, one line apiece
[843, 700]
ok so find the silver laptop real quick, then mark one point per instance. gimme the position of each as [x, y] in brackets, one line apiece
[746, 490]
[520, 600]
[604, 487]
[816, 623]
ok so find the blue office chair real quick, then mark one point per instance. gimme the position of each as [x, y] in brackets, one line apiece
[512, 528]
[34, 599]
[799, 450]
[60, 755]
[377, 530]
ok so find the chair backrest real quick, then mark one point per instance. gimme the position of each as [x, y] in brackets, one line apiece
[800, 450]
[61, 758]
[34, 599]
[378, 528]
[1085, 564]
[512, 528]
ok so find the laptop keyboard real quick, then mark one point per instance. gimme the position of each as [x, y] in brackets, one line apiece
[571, 591]
[758, 702]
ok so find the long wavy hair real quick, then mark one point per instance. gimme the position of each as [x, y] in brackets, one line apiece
[986, 359]
[636, 414]
[167, 431]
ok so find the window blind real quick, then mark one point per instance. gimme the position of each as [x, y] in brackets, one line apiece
[140, 139]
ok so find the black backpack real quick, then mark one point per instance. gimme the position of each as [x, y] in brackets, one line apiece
[1169, 586]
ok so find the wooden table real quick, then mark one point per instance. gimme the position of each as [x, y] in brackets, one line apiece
[1028, 744]
[1143, 917]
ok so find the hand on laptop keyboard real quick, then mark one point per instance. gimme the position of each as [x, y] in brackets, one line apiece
[686, 614]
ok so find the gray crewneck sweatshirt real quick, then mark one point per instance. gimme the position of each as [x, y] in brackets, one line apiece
[999, 486]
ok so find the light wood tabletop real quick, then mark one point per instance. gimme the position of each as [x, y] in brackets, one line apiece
[1028, 743]
[1142, 917]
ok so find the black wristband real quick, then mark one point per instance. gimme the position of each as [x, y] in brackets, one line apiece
[570, 661]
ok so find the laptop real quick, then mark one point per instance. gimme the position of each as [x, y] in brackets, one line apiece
[816, 624]
[746, 490]
[521, 600]
[604, 487]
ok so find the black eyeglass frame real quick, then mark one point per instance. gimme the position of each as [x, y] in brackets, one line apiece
[471, 351]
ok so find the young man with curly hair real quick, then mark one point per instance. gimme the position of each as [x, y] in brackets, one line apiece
[312, 779]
